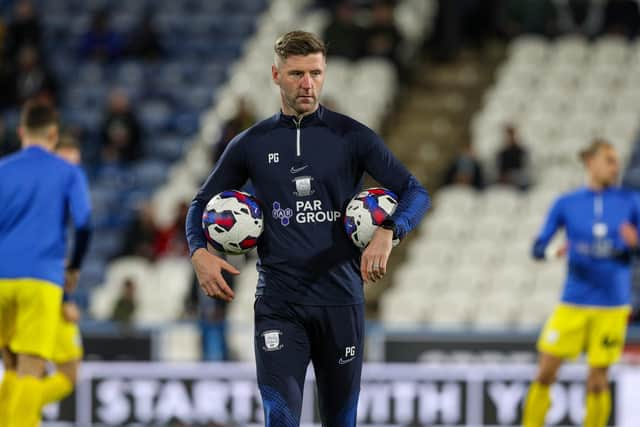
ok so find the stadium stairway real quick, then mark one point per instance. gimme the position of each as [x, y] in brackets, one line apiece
[432, 119]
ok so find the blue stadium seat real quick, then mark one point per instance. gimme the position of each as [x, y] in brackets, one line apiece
[198, 97]
[185, 123]
[130, 73]
[212, 74]
[105, 244]
[150, 173]
[85, 96]
[155, 115]
[168, 147]
[82, 117]
[93, 272]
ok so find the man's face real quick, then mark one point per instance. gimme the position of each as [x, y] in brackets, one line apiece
[70, 154]
[604, 166]
[300, 79]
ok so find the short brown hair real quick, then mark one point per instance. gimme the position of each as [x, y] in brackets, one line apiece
[67, 140]
[37, 116]
[595, 146]
[299, 43]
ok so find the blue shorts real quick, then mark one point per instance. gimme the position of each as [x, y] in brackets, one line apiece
[288, 337]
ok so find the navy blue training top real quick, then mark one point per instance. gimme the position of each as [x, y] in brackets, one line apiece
[304, 173]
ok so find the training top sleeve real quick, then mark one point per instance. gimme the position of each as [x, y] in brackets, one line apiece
[635, 209]
[553, 222]
[384, 167]
[229, 173]
[79, 199]
[80, 208]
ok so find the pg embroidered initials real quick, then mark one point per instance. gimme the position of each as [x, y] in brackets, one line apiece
[273, 157]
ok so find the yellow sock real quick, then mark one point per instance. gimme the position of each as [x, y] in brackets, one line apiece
[7, 388]
[55, 387]
[27, 402]
[598, 409]
[537, 405]
[605, 407]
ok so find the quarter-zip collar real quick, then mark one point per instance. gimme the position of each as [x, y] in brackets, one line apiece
[309, 119]
[299, 123]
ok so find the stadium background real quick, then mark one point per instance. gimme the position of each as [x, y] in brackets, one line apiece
[153, 89]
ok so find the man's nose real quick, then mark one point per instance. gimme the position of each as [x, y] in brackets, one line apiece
[306, 82]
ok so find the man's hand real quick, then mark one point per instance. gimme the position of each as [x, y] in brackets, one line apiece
[208, 269]
[373, 265]
[71, 276]
[70, 312]
[629, 234]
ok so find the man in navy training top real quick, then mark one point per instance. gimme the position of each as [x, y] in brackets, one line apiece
[305, 163]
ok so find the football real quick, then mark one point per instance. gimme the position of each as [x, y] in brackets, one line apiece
[366, 211]
[233, 222]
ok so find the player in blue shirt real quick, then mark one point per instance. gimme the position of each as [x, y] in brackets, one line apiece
[38, 191]
[601, 223]
[305, 164]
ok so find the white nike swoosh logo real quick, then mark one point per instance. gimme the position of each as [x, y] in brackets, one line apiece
[345, 361]
[296, 170]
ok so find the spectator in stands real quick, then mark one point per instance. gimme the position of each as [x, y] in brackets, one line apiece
[121, 132]
[101, 43]
[580, 16]
[344, 36]
[24, 30]
[141, 233]
[171, 240]
[32, 79]
[381, 37]
[512, 160]
[243, 119]
[527, 17]
[144, 43]
[125, 306]
[212, 314]
[9, 143]
[465, 170]
[622, 17]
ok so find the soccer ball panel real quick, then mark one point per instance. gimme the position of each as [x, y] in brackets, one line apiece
[366, 211]
[233, 222]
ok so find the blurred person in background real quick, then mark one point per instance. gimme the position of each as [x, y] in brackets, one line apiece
[24, 30]
[68, 349]
[32, 79]
[344, 37]
[465, 169]
[101, 43]
[583, 17]
[33, 249]
[144, 42]
[518, 17]
[141, 233]
[9, 143]
[243, 119]
[381, 36]
[121, 132]
[170, 240]
[512, 160]
[601, 223]
[212, 315]
[622, 17]
[126, 304]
